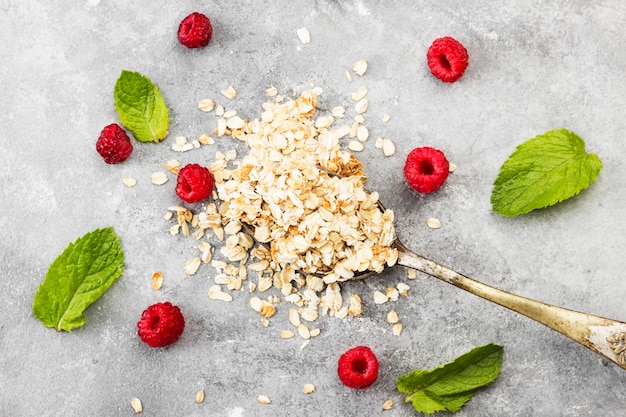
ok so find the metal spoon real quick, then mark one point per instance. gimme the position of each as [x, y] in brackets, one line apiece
[606, 337]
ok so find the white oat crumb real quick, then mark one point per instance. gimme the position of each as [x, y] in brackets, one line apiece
[229, 92]
[387, 405]
[360, 67]
[308, 389]
[362, 133]
[360, 93]
[304, 331]
[355, 145]
[403, 289]
[304, 35]
[271, 91]
[263, 399]
[392, 317]
[157, 280]
[216, 293]
[206, 105]
[433, 223]
[192, 265]
[159, 178]
[380, 298]
[129, 182]
[287, 334]
[136, 404]
[361, 106]
[200, 397]
[388, 147]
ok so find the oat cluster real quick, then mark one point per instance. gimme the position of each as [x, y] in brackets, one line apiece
[293, 211]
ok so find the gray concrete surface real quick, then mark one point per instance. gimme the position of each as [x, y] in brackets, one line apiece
[534, 66]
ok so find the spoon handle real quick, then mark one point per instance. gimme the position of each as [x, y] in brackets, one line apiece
[604, 336]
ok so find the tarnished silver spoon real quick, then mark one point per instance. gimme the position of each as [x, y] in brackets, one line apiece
[606, 337]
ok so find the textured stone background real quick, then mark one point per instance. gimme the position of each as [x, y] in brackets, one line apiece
[534, 66]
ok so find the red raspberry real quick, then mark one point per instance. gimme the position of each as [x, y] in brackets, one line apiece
[114, 144]
[195, 31]
[358, 367]
[447, 59]
[161, 324]
[426, 169]
[195, 183]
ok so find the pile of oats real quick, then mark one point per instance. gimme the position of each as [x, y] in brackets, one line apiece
[293, 211]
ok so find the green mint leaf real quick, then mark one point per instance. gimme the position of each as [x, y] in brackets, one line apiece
[141, 107]
[543, 171]
[452, 384]
[77, 278]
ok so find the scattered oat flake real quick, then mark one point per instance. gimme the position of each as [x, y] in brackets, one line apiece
[386, 118]
[287, 334]
[380, 298]
[129, 182]
[136, 404]
[229, 92]
[268, 310]
[392, 317]
[355, 145]
[229, 113]
[304, 331]
[159, 178]
[362, 133]
[397, 329]
[271, 91]
[360, 67]
[360, 93]
[392, 293]
[403, 289]
[200, 397]
[433, 223]
[451, 167]
[173, 166]
[263, 399]
[387, 405]
[157, 280]
[192, 265]
[304, 35]
[361, 106]
[294, 317]
[216, 293]
[338, 112]
[411, 273]
[205, 139]
[235, 122]
[308, 389]
[206, 105]
[388, 147]
[348, 76]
